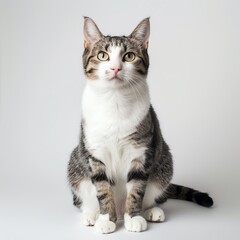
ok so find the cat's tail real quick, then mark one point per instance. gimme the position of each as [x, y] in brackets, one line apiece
[185, 193]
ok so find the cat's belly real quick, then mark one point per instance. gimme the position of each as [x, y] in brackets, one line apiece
[117, 159]
[115, 149]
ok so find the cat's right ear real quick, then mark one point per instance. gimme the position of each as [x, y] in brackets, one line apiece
[91, 32]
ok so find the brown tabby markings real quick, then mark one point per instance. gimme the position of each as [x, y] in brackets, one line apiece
[153, 167]
[104, 189]
[91, 62]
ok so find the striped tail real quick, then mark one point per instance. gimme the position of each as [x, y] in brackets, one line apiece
[184, 193]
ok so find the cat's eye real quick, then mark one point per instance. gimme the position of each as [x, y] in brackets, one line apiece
[103, 56]
[129, 57]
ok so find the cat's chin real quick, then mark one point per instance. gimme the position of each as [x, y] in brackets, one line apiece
[116, 82]
[120, 84]
[113, 83]
[108, 84]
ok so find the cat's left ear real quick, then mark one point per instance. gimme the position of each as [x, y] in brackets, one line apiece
[91, 32]
[142, 32]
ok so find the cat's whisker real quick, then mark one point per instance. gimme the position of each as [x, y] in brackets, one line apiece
[138, 88]
[135, 93]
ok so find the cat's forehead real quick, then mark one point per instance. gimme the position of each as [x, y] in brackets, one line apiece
[111, 43]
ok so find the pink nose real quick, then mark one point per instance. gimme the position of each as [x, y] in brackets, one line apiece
[116, 69]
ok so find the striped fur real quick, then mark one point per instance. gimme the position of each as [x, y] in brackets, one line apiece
[175, 191]
[122, 165]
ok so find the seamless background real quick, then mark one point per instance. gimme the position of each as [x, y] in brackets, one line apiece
[194, 83]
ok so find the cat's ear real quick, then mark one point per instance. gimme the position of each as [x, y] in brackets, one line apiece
[91, 32]
[142, 32]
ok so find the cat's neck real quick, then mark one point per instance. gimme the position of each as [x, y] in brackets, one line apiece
[132, 93]
[123, 103]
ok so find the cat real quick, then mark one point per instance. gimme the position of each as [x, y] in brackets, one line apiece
[122, 167]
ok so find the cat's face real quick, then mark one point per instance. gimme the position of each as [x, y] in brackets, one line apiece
[115, 62]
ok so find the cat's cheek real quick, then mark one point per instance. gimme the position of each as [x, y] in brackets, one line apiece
[129, 66]
[103, 72]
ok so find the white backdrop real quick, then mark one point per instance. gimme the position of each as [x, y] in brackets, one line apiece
[194, 82]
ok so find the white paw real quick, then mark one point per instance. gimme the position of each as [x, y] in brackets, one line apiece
[105, 226]
[154, 214]
[135, 224]
[89, 218]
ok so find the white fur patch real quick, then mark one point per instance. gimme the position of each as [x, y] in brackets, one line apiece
[89, 218]
[135, 224]
[152, 192]
[90, 206]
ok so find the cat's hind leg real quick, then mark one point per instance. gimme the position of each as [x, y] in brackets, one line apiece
[151, 212]
[76, 200]
[84, 192]
[89, 202]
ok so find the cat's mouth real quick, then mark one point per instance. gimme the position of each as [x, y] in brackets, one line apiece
[116, 78]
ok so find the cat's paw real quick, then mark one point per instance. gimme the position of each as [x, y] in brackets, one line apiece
[89, 218]
[154, 214]
[135, 224]
[104, 225]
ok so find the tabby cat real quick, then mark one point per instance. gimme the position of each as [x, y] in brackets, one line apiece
[122, 166]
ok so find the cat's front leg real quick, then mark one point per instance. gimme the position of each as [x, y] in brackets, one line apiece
[107, 218]
[136, 186]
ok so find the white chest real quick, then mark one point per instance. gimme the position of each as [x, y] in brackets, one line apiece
[108, 121]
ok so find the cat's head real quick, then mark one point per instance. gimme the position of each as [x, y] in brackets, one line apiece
[115, 62]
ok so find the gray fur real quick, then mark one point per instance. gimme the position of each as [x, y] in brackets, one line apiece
[156, 167]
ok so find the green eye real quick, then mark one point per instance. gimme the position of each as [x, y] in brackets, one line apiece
[129, 57]
[103, 56]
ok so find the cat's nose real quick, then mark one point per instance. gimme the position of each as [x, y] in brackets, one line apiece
[116, 69]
